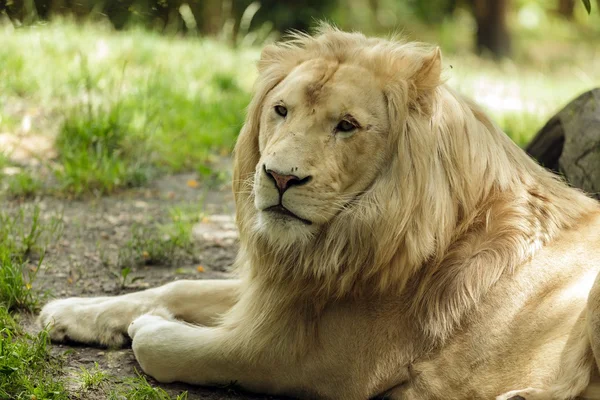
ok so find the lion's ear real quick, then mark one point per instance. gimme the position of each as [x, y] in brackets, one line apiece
[270, 54]
[424, 80]
[428, 76]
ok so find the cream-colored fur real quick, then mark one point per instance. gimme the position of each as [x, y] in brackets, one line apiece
[436, 260]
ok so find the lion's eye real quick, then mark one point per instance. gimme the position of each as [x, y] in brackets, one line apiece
[281, 110]
[345, 126]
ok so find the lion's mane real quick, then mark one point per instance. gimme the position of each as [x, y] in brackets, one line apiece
[457, 206]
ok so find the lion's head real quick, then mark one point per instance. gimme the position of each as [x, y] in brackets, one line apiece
[356, 163]
[323, 140]
[322, 127]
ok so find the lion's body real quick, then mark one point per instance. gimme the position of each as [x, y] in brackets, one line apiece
[393, 242]
[529, 326]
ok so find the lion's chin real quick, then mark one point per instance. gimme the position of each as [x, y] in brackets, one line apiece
[283, 229]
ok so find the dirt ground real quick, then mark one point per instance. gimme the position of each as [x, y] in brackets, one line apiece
[75, 265]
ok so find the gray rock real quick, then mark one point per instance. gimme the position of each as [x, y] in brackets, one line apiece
[569, 143]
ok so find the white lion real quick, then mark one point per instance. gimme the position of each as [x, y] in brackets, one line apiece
[394, 242]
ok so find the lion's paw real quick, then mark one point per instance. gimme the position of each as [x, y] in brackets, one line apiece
[84, 320]
[526, 394]
[149, 320]
[149, 334]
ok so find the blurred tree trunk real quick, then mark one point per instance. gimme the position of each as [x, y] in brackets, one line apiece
[374, 6]
[566, 8]
[211, 16]
[492, 32]
[15, 10]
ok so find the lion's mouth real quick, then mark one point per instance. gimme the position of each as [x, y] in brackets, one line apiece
[281, 210]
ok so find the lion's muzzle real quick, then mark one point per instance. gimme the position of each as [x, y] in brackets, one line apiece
[283, 181]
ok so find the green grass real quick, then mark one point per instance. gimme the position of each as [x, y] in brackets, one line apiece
[114, 388]
[92, 378]
[19, 183]
[138, 388]
[22, 247]
[27, 370]
[22, 185]
[15, 284]
[164, 104]
[167, 245]
[154, 246]
[158, 244]
[98, 153]
[521, 98]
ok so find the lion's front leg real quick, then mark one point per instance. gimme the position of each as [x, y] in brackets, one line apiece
[173, 351]
[272, 353]
[104, 320]
[170, 350]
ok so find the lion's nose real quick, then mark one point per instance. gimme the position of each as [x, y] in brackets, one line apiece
[283, 182]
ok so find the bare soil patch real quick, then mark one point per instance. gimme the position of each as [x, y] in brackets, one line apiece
[78, 264]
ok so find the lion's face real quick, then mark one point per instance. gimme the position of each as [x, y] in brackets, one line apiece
[322, 141]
